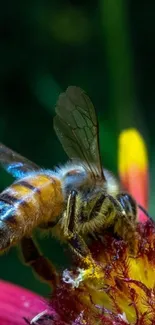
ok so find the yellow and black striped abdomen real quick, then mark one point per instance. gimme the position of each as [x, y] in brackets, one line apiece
[26, 204]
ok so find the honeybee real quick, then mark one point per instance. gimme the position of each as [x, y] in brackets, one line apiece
[74, 200]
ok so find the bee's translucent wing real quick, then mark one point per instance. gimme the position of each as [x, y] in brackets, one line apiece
[15, 164]
[77, 128]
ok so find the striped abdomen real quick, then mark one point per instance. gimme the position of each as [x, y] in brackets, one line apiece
[26, 204]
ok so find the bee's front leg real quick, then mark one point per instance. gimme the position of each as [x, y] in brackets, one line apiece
[125, 224]
[129, 205]
[124, 212]
[40, 264]
[114, 213]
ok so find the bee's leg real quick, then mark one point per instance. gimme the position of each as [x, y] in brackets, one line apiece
[122, 222]
[70, 226]
[110, 212]
[41, 318]
[70, 217]
[129, 205]
[79, 247]
[40, 264]
[125, 224]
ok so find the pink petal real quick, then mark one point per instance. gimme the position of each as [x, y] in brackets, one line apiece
[17, 302]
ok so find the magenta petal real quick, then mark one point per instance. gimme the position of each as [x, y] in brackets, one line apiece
[17, 302]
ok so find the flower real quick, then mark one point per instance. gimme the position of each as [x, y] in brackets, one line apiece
[110, 286]
[117, 288]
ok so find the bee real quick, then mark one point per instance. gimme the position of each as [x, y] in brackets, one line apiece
[74, 200]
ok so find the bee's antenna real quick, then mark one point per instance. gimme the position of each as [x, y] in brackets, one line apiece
[145, 212]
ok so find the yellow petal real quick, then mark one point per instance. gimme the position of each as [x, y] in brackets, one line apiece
[133, 166]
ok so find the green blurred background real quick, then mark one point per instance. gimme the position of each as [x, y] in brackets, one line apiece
[106, 47]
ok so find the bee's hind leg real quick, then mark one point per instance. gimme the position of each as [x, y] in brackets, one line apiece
[40, 264]
[70, 226]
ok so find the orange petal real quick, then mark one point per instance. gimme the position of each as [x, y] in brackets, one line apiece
[133, 167]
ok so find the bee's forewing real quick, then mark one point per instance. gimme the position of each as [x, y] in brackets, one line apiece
[14, 163]
[77, 128]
